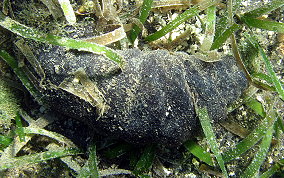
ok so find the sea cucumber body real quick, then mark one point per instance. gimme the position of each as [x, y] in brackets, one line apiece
[153, 97]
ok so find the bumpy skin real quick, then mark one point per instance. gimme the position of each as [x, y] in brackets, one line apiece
[152, 99]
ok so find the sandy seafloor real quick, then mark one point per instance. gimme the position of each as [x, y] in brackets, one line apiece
[168, 163]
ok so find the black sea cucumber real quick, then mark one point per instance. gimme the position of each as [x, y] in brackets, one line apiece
[151, 99]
